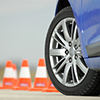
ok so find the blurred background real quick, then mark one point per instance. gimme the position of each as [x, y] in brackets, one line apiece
[23, 28]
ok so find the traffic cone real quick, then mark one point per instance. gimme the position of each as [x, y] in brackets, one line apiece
[24, 82]
[8, 79]
[41, 77]
[50, 88]
[15, 74]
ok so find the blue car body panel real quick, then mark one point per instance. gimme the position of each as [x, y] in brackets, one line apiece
[87, 15]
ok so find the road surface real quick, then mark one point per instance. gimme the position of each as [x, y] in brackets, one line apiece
[26, 95]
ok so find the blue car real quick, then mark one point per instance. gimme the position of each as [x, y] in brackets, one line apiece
[72, 47]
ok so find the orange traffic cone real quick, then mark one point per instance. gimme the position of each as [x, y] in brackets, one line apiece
[24, 82]
[8, 79]
[40, 78]
[50, 88]
[15, 74]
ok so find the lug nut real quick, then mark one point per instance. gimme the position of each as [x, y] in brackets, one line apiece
[76, 56]
[76, 47]
[70, 60]
[67, 52]
[70, 44]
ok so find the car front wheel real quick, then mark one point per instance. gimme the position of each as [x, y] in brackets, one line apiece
[65, 64]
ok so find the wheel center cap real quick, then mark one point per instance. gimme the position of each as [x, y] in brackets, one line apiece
[72, 52]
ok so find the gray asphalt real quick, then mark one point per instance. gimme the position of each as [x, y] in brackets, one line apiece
[26, 95]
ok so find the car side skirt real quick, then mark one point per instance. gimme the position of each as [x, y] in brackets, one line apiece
[93, 50]
[93, 63]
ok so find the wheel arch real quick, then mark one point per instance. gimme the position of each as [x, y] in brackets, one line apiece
[61, 4]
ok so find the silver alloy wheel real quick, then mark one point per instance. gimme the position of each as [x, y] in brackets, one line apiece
[65, 54]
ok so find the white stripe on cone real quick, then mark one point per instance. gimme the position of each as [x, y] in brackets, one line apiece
[41, 72]
[25, 72]
[8, 73]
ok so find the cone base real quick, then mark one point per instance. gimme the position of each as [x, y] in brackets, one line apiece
[35, 89]
[6, 87]
[49, 90]
[21, 88]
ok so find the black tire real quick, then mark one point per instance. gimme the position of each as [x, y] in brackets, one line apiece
[89, 86]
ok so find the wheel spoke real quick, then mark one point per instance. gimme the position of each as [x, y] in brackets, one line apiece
[62, 40]
[58, 63]
[75, 32]
[62, 65]
[77, 42]
[72, 28]
[75, 70]
[72, 74]
[66, 71]
[66, 34]
[58, 42]
[57, 52]
[79, 52]
[81, 66]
